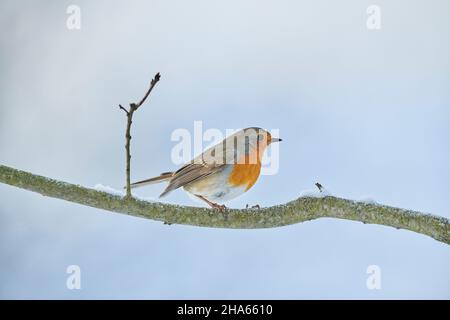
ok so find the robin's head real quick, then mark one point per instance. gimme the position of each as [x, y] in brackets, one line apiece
[255, 139]
[246, 145]
[258, 136]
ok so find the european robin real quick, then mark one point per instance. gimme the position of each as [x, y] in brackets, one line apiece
[223, 171]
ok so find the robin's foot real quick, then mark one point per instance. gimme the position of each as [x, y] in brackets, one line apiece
[256, 206]
[213, 205]
[217, 206]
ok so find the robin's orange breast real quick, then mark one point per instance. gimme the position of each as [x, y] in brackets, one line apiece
[245, 173]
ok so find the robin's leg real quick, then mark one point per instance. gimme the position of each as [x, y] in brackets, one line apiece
[212, 204]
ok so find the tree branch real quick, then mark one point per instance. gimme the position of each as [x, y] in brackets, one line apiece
[300, 210]
[129, 113]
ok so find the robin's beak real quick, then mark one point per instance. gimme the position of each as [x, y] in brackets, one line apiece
[276, 140]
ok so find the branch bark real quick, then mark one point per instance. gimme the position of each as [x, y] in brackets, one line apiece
[134, 107]
[300, 210]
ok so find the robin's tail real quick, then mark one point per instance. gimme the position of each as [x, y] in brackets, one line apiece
[162, 177]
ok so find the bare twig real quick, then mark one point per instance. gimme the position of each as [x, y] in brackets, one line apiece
[319, 186]
[299, 210]
[152, 84]
[120, 106]
[130, 112]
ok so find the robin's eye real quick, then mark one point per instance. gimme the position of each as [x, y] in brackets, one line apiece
[260, 137]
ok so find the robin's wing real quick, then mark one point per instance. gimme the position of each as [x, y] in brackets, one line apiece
[209, 162]
[190, 173]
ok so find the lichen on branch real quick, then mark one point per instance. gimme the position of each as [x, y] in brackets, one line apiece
[296, 211]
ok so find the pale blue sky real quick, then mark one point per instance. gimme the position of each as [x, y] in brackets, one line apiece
[364, 112]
